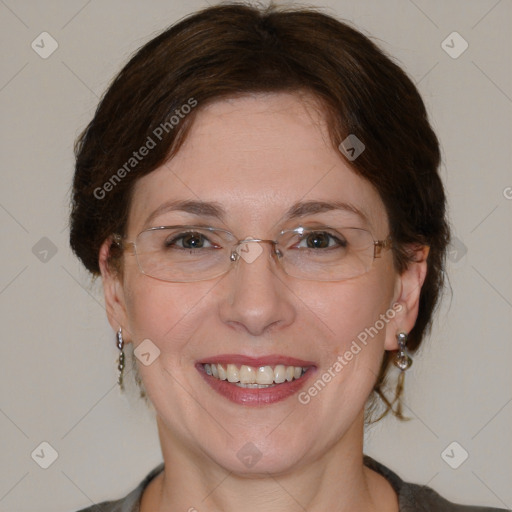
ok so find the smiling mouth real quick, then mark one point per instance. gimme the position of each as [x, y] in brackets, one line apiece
[254, 377]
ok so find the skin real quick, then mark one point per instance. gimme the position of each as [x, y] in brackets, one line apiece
[256, 155]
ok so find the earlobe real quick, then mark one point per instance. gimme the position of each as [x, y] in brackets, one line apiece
[407, 296]
[112, 289]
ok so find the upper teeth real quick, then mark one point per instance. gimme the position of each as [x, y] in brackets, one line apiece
[254, 375]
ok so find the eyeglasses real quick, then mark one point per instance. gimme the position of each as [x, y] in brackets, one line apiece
[185, 254]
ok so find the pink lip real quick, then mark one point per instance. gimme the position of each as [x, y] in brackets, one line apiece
[256, 396]
[270, 360]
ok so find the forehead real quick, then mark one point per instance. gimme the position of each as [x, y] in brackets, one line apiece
[256, 156]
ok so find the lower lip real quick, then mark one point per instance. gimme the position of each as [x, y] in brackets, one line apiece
[255, 396]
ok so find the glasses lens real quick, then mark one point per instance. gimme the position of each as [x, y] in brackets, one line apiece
[196, 253]
[183, 253]
[326, 254]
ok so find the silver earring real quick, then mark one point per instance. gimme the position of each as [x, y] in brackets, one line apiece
[120, 365]
[402, 360]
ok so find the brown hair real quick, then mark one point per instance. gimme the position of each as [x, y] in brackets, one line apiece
[232, 49]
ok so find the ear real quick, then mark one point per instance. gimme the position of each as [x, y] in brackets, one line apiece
[113, 290]
[407, 296]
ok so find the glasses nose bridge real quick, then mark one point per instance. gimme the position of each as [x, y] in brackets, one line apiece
[235, 251]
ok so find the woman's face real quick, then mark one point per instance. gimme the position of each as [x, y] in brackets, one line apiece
[257, 157]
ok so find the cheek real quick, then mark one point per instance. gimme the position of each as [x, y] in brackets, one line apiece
[167, 315]
[158, 311]
[353, 307]
[356, 315]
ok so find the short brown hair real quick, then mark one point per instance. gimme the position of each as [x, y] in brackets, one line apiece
[233, 49]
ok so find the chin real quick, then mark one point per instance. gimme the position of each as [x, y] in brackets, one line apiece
[255, 456]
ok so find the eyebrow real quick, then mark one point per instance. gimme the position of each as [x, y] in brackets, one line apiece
[215, 210]
[301, 209]
[199, 208]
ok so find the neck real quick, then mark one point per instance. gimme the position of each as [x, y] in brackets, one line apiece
[337, 480]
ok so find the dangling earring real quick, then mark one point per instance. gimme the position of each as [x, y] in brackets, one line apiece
[402, 360]
[120, 366]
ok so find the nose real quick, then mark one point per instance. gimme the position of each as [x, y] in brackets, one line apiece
[256, 297]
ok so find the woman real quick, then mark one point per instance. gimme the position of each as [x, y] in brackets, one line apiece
[258, 190]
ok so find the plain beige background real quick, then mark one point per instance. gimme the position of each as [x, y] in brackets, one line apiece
[58, 358]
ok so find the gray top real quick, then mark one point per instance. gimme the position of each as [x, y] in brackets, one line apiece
[411, 497]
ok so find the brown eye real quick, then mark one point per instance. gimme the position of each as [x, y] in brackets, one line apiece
[323, 240]
[318, 240]
[187, 241]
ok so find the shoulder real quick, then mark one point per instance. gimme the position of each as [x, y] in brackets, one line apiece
[105, 506]
[424, 499]
[131, 502]
[420, 498]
